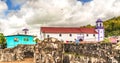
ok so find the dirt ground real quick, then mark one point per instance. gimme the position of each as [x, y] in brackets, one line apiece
[26, 60]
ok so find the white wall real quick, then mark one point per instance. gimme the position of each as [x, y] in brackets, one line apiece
[64, 37]
[90, 37]
[101, 34]
[67, 37]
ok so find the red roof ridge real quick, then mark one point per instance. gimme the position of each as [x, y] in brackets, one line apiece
[68, 30]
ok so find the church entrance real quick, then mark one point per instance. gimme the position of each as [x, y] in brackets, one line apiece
[80, 38]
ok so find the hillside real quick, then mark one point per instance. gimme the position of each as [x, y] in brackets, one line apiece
[112, 26]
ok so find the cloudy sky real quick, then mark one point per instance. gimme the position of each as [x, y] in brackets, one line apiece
[32, 14]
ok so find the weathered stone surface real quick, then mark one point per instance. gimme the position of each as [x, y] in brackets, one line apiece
[7, 55]
[103, 52]
[52, 50]
[44, 52]
[17, 53]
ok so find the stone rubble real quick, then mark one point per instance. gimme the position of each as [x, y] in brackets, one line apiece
[51, 50]
[43, 52]
[102, 52]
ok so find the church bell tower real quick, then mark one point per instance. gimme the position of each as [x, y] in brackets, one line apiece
[100, 30]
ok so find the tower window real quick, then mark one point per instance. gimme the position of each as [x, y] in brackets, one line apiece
[70, 35]
[93, 34]
[60, 35]
[97, 24]
[100, 24]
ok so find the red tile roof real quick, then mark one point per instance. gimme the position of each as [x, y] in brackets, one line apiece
[67, 30]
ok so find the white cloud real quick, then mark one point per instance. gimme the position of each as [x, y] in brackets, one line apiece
[36, 13]
[3, 7]
[71, 12]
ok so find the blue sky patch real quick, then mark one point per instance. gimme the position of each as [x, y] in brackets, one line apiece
[11, 6]
[85, 1]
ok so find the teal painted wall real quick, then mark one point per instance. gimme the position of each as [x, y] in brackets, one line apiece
[22, 39]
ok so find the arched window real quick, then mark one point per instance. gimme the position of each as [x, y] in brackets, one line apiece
[97, 24]
[87, 35]
[70, 35]
[60, 35]
[48, 36]
[80, 39]
[100, 24]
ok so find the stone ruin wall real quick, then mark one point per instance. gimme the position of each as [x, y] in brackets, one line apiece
[44, 52]
[17, 53]
[94, 53]
[53, 51]
[49, 52]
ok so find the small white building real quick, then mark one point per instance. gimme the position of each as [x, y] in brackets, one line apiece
[74, 33]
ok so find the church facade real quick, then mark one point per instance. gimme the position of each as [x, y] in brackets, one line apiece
[74, 33]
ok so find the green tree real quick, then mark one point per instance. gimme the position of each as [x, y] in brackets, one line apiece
[37, 40]
[112, 27]
[2, 40]
[87, 26]
[106, 40]
[90, 26]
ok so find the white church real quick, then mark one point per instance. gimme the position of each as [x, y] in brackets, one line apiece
[75, 33]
